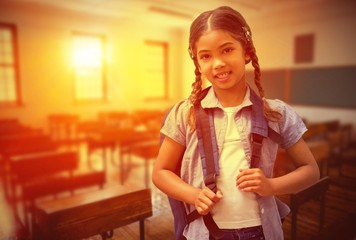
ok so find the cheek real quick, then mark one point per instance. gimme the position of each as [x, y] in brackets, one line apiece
[204, 67]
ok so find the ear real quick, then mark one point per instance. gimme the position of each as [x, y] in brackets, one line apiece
[247, 58]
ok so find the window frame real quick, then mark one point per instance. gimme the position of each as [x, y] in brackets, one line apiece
[15, 65]
[165, 46]
[103, 69]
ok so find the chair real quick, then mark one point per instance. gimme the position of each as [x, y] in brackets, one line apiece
[63, 128]
[19, 144]
[316, 191]
[118, 119]
[141, 144]
[47, 174]
[347, 156]
[320, 150]
[346, 160]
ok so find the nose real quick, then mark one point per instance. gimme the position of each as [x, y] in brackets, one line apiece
[218, 63]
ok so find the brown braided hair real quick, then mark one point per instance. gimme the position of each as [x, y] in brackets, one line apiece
[227, 19]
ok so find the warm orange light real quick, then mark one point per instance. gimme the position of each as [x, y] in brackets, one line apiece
[87, 52]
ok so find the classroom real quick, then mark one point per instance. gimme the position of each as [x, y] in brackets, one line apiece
[85, 86]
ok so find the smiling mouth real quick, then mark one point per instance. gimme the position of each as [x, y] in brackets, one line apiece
[222, 76]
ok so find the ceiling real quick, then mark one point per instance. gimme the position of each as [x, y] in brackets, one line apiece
[169, 12]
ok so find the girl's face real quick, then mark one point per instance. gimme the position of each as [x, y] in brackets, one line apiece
[221, 60]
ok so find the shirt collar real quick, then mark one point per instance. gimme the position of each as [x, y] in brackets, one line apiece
[211, 101]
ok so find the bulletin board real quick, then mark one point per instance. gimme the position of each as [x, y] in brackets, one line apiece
[272, 81]
[329, 87]
[322, 86]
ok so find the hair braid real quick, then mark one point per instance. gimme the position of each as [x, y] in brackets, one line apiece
[194, 96]
[257, 72]
[269, 113]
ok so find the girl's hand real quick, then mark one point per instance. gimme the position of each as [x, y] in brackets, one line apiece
[206, 200]
[254, 180]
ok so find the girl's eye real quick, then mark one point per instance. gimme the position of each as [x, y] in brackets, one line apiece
[204, 57]
[227, 50]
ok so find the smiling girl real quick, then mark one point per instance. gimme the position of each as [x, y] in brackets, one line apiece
[244, 206]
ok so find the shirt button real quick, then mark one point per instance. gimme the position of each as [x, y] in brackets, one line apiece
[262, 210]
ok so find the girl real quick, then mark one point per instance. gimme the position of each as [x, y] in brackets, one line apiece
[244, 206]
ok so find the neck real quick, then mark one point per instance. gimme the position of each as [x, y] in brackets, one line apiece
[229, 98]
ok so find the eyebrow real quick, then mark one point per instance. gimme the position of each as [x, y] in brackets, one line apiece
[221, 46]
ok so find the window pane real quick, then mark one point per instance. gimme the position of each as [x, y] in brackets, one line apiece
[155, 82]
[11, 90]
[6, 35]
[89, 84]
[7, 58]
[87, 52]
[9, 73]
[88, 64]
[8, 78]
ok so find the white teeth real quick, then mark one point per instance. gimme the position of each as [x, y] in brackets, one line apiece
[222, 75]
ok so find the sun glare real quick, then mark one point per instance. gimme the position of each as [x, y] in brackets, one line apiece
[87, 52]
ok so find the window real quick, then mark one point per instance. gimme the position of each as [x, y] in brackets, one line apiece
[156, 80]
[89, 67]
[9, 80]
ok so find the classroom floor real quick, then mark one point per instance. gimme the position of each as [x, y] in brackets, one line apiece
[339, 223]
[157, 227]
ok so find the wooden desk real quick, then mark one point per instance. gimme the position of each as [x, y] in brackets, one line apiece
[146, 150]
[47, 174]
[142, 143]
[284, 164]
[85, 215]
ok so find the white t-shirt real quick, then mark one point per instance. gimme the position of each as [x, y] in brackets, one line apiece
[236, 209]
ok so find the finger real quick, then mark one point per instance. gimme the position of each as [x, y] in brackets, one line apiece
[244, 178]
[247, 184]
[205, 204]
[202, 210]
[248, 189]
[245, 172]
[219, 194]
[204, 201]
[214, 197]
[207, 197]
[217, 197]
[248, 174]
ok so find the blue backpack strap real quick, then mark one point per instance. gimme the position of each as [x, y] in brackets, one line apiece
[209, 156]
[259, 129]
[207, 145]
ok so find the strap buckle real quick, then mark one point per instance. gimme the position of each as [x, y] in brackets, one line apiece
[209, 179]
[210, 182]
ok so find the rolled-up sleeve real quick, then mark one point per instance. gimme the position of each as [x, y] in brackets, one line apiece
[175, 125]
[292, 127]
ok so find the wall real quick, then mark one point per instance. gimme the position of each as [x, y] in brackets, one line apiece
[332, 23]
[46, 71]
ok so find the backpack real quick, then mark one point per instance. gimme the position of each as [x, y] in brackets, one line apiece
[209, 156]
